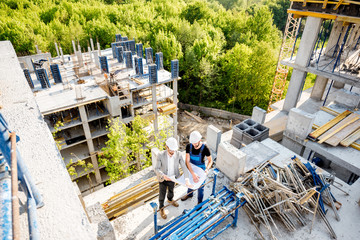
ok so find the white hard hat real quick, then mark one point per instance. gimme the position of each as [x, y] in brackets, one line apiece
[195, 137]
[172, 144]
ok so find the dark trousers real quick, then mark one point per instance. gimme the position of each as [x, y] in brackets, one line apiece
[169, 185]
[200, 193]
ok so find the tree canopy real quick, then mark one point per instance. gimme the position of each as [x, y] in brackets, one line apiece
[227, 49]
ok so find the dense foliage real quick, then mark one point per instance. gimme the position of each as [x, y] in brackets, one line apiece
[227, 49]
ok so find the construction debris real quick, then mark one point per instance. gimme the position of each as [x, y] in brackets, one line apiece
[286, 194]
[198, 119]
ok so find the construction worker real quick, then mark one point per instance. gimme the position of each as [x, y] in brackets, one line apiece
[195, 154]
[167, 165]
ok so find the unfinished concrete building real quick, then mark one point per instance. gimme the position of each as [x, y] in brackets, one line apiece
[83, 91]
[329, 48]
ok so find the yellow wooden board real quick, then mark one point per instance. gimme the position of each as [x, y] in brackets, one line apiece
[338, 137]
[339, 126]
[351, 139]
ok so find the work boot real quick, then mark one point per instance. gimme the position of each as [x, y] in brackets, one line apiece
[184, 198]
[175, 204]
[162, 213]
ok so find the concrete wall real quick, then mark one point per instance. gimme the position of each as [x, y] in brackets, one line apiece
[27, 60]
[214, 112]
[62, 217]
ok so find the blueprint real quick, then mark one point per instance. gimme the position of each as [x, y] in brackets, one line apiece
[181, 180]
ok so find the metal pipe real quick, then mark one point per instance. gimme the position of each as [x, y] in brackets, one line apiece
[32, 218]
[5, 205]
[14, 189]
[5, 148]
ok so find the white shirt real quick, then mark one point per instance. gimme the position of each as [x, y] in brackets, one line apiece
[171, 170]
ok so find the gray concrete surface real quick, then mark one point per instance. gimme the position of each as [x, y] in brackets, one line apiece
[62, 217]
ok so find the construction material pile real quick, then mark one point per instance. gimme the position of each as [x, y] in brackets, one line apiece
[289, 195]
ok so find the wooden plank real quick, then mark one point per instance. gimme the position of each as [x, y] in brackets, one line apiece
[338, 137]
[198, 119]
[351, 139]
[338, 127]
[315, 134]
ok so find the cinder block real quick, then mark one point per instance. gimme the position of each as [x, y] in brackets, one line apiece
[236, 143]
[213, 137]
[249, 122]
[105, 230]
[299, 123]
[258, 115]
[264, 131]
[230, 161]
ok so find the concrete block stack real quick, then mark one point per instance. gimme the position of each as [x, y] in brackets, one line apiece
[247, 132]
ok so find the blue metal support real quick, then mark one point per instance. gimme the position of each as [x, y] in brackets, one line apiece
[34, 199]
[5, 204]
[203, 218]
[323, 42]
[216, 172]
[23, 172]
[337, 60]
[337, 42]
[357, 42]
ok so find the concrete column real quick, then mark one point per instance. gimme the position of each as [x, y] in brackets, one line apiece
[90, 143]
[319, 88]
[80, 59]
[57, 49]
[175, 101]
[92, 44]
[306, 48]
[37, 49]
[90, 57]
[98, 47]
[62, 55]
[96, 58]
[154, 105]
[73, 44]
[336, 30]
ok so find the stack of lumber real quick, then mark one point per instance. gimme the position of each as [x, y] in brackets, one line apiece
[290, 196]
[167, 109]
[131, 198]
[344, 129]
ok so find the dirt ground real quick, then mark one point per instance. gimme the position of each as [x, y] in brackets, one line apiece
[187, 124]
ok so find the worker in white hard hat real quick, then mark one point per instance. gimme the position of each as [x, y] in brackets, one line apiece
[196, 151]
[167, 166]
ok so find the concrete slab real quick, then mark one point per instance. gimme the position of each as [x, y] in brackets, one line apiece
[257, 153]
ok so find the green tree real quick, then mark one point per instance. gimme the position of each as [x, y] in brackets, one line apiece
[129, 146]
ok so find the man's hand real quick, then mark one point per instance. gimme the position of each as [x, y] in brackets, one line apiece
[206, 171]
[167, 178]
[195, 177]
[187, 182]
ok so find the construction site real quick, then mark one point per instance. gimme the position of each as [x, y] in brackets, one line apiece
[289, 171]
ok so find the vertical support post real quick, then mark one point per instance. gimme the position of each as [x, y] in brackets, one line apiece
[154, 206]
[154, 104]
[90, 57]
[175, 101]
[62, 55]
[14, 189]
[216, 172]
[98, 47]
[73, 44]
[92, 44]
[5, 205]
[57, 49]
